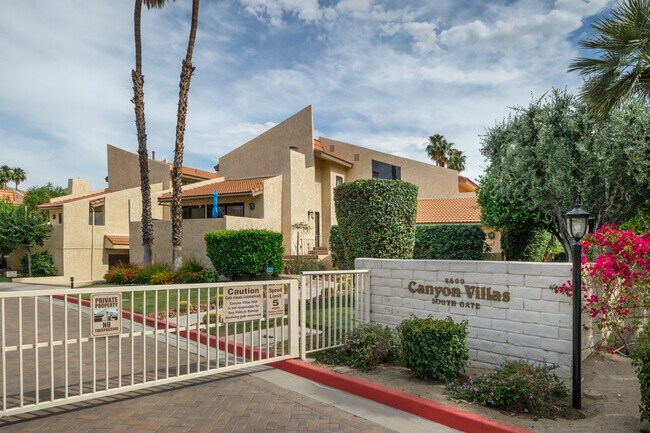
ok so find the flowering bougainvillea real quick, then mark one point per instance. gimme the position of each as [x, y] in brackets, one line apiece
[615, 282]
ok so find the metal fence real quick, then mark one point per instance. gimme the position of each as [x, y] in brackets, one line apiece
[49, 354]
[332, 303]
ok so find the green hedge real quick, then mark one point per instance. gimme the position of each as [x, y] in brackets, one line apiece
[450, 242]
[525, 245]
[433, 349]
[641, 362]
[42, 265]
[376, 218]
[339, 259]
[245, 253]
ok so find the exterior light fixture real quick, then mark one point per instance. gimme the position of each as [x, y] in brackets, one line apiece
[310, 214]
[577, 221]
[251, 206]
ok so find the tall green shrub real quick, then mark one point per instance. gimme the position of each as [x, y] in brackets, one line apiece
[450, 242]
[245, 253]
[339, 259]
[525, 245]
[42, 265]
[376, 218]
[641, 362]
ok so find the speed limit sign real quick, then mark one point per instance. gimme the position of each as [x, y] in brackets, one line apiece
[275, 301]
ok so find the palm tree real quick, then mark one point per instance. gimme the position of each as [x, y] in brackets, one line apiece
[184, 88]
[6, 174]
[18, 175]
[143, 153]
[437, 149]
[457, 160]
[623, 69]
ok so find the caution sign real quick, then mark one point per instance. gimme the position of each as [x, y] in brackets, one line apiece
[242, 303]
[106, 314]
[275, 301]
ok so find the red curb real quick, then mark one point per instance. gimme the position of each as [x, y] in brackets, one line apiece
[442, 414]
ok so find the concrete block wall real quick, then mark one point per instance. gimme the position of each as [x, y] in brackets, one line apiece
[534, 324]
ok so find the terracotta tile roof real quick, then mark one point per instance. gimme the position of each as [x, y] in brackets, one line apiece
[195, 172]
[8, 195]
[118, 239]
[59, 203]
[448, 210]
[226, 187]
[320, 149]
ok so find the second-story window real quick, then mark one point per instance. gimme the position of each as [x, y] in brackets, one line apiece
[98, 214]
[339, 180]
[381, 170]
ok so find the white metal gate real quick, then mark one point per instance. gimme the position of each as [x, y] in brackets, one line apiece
[49, 356]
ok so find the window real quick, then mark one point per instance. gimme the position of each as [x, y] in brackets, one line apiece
[205, 211]
[193, 212]
[381, 170]
[232, 209]
[61, 218]
[98, 213]
[339, 180]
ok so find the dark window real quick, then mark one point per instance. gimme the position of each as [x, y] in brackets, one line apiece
[98, 213]
[193, 212]
[205, 211]
[232, 209]
[61, 218]
[381, 170]
[339, 180]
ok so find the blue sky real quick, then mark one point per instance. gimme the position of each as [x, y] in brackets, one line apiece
[379, 73]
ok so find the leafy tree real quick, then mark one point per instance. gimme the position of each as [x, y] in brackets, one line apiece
[457, 160]
[184, 88]
[18, 175]
[26, 228]
[623, 68]
[143, 153]
[5, 176]
[545, 156]
[42, 194]
[639, 222]
[6, 245]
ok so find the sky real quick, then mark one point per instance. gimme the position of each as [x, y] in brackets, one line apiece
[384, 74]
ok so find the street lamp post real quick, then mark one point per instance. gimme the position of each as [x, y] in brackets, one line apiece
[577, 223]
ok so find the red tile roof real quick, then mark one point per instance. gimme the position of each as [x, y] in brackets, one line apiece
[194, 172]
[59, 203]
[9, 196]
[118, 239]
[320, 149]
[448, 211]
[226, 187]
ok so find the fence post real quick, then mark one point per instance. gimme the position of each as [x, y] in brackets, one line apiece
[294, 332]
[303, 317]
[366, 294]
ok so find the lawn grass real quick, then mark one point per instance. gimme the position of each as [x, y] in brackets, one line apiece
[148, 299]
[5, 279]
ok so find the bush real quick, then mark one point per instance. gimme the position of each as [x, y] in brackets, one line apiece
[182, 307]
[192, 271]
[514, 386]
[450, 242]
[433, 349]
[364, 348]
[212, 317]
[144, 274]
[162, 277]
[245, 253]
[525, 245]
[42, 265]
[339, 259]
[376, 218]
[122, 273]
[641, 362]
[301, 264]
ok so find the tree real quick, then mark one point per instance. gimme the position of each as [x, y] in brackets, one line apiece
[437, 149]
[6, 175]
[140, 125]
[457, 160]
[623, 68]
[545, 156]
[26, 228]
[18, 175]
[6, 245]
[42, 194]
[184, 88]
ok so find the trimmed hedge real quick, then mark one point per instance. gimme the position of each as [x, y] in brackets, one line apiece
[376, 218]
[433, 349]
[245, 253]
[42, 265]
[450, 242]
[525, 245]
[641, 362]
[339, 259]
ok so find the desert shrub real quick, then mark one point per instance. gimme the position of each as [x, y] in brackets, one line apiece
[339, 259]
[145, 274]
[162, 277]
[211, 317]
[42, 265]
[122, 273]
[183, 307]
[301, 264]
[514, 386]
[245, 253]
[641, 362]
[193, 271]
[450, 242]
[364, 348]
[525, 245]
[376, 218]
[433, 349]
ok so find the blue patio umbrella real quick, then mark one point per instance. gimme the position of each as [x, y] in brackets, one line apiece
[215, 205]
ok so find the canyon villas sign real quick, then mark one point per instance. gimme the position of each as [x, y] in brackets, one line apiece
[451, 295]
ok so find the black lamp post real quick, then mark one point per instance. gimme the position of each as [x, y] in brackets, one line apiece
[577, 223]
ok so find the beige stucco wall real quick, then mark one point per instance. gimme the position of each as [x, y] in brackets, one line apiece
[124, 170]
[266, 154]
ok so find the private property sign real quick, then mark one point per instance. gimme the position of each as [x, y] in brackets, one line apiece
[107, 314]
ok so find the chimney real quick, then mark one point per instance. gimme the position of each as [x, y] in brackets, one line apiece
[153, 155]
[77, 187]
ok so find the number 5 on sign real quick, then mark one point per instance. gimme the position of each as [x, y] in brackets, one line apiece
[275, 301]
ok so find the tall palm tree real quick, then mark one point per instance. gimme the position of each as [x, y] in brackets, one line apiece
[457, 160]
[622, 40]
[437, 149]
[184, 87]
[143, 153]
[18, 175]
[6, 175]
